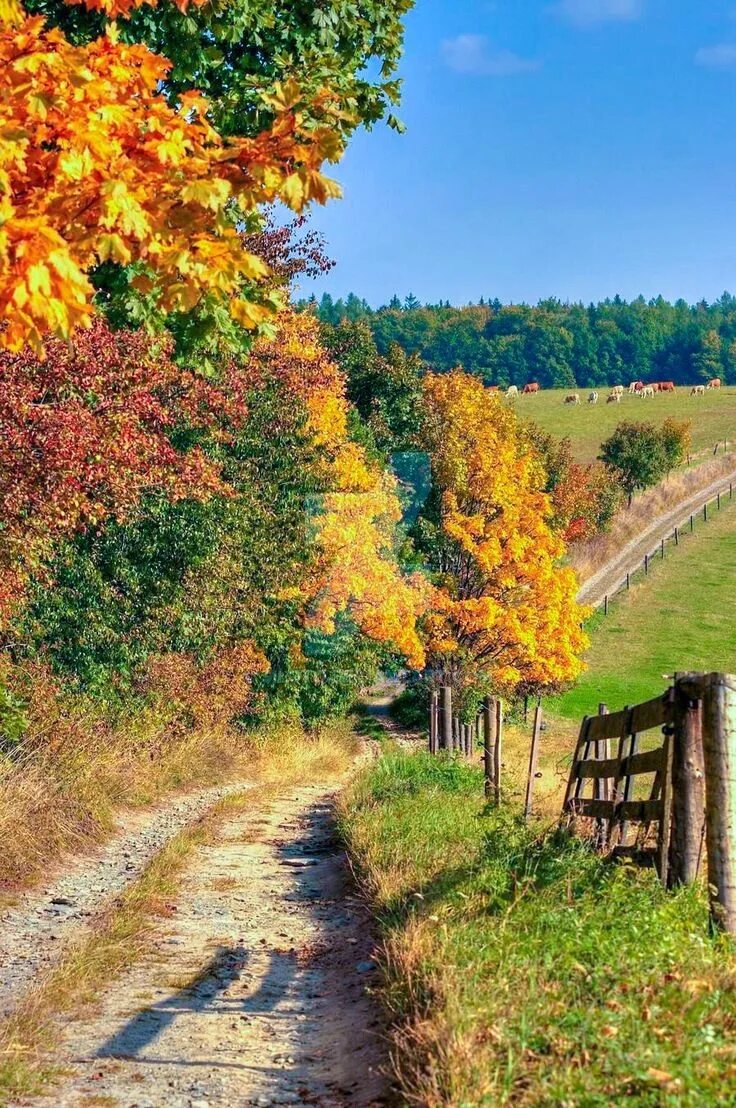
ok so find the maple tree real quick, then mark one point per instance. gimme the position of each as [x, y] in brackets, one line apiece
[503, 612]
[98, 167]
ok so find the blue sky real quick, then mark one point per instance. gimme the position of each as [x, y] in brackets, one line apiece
[570, 148]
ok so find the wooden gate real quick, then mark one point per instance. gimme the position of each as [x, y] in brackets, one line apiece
[611, 754]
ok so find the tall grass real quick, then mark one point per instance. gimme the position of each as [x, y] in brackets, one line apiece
[62, 784]
[522, 969]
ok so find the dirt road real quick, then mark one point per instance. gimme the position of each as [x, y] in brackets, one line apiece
[609, 578]
[39, 921]
[257, 989]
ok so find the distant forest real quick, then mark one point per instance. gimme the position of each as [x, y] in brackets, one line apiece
[559, 345]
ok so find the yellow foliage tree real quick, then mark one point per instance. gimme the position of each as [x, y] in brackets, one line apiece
[504, 610]
[356, 516]
[96, 165]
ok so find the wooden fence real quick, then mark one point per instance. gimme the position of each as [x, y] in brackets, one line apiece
[448, 732]
[691, 790]
[644, 565]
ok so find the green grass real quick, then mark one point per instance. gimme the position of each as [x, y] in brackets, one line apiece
[522, 969]
[713, 416]
[680, 618]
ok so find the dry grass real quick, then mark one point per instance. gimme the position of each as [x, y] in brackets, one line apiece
[629, 523]
[60, 788]
[122, 932]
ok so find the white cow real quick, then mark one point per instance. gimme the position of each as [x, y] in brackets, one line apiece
[512, 391]
[573, 398]
[646, 391]
[697, 390]
[618, 389]
[593, 398]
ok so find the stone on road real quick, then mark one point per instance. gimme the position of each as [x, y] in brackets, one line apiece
[256, 989]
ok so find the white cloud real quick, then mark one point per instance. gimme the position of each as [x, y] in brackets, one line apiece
[721, 56]
[586, 13]
[474, 55]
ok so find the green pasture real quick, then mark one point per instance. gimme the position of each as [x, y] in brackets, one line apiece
[713, 415]
[683, 617]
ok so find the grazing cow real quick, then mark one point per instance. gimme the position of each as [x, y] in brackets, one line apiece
[618, 389]
[714, 383]
[493, 388]
[531, 387]
[613, 398]
[697, 390]
[636, 386]
[512, 391]
[648, 390]
[593, 398]
[665, 386]
[573, 398]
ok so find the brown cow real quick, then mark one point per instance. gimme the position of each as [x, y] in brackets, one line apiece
[714, 383]
[665, 386]
[636, 386]
[531, 387]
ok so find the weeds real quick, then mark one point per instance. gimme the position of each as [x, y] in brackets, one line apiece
[520, 968]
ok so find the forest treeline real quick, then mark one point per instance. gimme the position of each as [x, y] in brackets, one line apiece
[559, 345]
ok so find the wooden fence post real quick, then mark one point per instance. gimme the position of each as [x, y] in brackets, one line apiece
[688, 782]
[602, 787]
[489, 744]
[446, 730]
[433, 720]
[605, 605]
[705, 513]
[646, 565]
[692, 523]
[498, 753]
[719, 748]
[456, 734]
[628, 581]
[663, 548]
[533, 759]
[677, 536]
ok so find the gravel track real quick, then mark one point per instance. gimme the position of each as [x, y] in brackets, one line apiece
[608, 579]
[43, 919]
[255, 992]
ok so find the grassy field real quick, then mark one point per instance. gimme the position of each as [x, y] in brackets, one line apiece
[681, 618]
[713, 416]
[522, 969]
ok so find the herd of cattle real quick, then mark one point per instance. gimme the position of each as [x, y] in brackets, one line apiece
[636, 388]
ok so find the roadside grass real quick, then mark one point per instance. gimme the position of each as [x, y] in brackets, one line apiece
[713, 416]
[519, 968]
[122, 931]
[63, 785]
[680, 618]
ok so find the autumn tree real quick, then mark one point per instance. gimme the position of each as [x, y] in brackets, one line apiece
[503, 613]
[100, 169]
[584, 498]
[641, 454]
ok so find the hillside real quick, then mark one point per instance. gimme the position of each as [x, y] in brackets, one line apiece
[680, 618]
[713, 416]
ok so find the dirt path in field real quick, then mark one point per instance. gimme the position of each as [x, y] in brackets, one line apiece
[256, 988]
[41, 920]
[610, 577]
